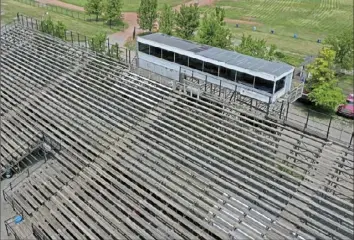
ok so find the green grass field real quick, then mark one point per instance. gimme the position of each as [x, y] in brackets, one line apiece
[129, 5]
[309, 19]
[11, 7]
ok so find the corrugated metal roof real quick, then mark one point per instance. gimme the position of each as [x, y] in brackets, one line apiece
[230, 57]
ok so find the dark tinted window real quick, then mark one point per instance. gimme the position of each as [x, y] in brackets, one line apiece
[168, 55]
[143, 48]
[279, 84]
[211, 68]
[155, 51]
[182, 60]
[264, 85]
[245, 78]
[227, 73]
[196, 64]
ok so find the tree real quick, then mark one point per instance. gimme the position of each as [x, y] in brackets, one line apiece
[94, 7]
[213, 30]
[47, 25]
[167, 19]
[98, 43]
[322, 84]
[112, 10]
[60, 30]
[256, 48]
[147, 14]
[187, 21]
[343, 45]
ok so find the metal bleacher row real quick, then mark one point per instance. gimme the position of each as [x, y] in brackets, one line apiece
[140, 159]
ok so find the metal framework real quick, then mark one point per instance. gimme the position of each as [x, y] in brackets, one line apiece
[140, 159]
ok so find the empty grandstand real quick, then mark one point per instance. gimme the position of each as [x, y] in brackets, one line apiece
[130, 158]
[256, 78]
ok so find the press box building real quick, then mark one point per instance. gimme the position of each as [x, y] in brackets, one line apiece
[256, 78]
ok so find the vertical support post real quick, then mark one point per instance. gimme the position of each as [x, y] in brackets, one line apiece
[72, 39]
[78, 39]
[274, 83]
[220, 88]
[281, 109]
[174, 57]
[117, 50]
[126, 55]
[26, 21]
[329, 127]
[203, 66]
[307, 119]
[218, 71]
[37, 24]
[32, 23]
[129, 57]
[18, 16]
[206, 81]
[254, 81]
[268, 106]
[351, 139]
[85, 42]
[287, 111]
[109, 47]
[22, 19]
[235, 93]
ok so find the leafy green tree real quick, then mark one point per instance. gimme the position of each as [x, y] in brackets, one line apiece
[98, 43]
[94, 7]
[213, 30]
[322, 84]
[256, 48]
[147, 14]
[187, 21]
[112, 10]
[167, 20]
[343, 45]
[47, 25]
[60, 30]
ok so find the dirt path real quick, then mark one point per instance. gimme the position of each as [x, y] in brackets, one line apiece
[131, 18]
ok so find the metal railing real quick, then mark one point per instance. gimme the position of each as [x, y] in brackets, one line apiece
[76, 39]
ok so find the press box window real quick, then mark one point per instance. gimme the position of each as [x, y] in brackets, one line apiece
[155, 51]
[144, 48]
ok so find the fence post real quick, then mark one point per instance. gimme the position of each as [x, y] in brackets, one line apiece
[72, 40]
[329, 126]
[129, 57]
[219, 87]
[307, 119]
[281, 109]
[287, 111]
[126, 55]
[268, 105]
[85, 42]
[109, 49]
[18, 16]
[78, 39]
[22, 19]
[117, 50]
[351, 140]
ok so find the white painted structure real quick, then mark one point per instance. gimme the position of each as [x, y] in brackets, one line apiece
[256, 78]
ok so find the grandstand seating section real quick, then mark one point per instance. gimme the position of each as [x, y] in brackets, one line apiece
[140, 159]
